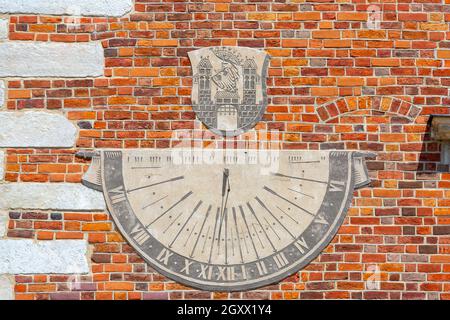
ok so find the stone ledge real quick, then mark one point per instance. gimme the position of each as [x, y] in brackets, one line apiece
[30, 257]
[109, 8]
[36, 129]
[51, 59]
[50, 196]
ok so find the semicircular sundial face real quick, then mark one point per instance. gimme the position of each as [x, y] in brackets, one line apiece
[227, 220]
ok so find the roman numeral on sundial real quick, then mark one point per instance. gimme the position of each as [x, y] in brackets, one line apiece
[117, 195]
[301, 245]
[139, 234]
[280, 260]
[205, 272]
[262, 269]
[164, 256]
[187, 265]
[226, 273]
[337, 186]
[320, 219]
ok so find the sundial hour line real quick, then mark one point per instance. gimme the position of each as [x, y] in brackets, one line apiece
[226, 235]
[156, 201]
[237, 234]
[257, 235]
[174, 220]
[173, 206]
[287, 200]
[232, 242]
[190, 234]
[303, 194]
[298, 178]
[284, 212]
[244, 239]
[271, 228]
[206, 239]
[226, 188]
[156, 183]
[201, 230]
[185, 223]
[249, 232]
[260, 225]
[214, 235]
[273, 216]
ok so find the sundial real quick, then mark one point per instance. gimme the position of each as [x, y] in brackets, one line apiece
[228, 219]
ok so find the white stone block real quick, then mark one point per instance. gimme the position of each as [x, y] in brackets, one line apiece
[51, 59]
[2, 165]
[4, 29]
[3, 223]
[31, 257]
[6, 288]
[113, 8]
[2, 93]
[36, 129]
[50, 196]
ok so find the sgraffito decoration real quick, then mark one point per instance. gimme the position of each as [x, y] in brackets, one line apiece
[227, 220]
[229, 88]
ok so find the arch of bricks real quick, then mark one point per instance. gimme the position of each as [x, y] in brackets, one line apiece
[331, 112]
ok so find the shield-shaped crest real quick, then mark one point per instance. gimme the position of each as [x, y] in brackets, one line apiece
[229, 88]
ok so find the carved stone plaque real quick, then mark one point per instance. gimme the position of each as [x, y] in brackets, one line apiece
[229, 88]
[227, 220]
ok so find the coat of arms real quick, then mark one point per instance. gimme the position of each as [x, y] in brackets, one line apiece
[229, 89]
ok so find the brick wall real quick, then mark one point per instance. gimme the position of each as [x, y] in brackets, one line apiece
[333, 83]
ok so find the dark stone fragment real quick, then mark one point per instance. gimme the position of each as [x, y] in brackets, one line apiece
[14, 215]
[56, 216]
[84, 125]
[20, 234]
